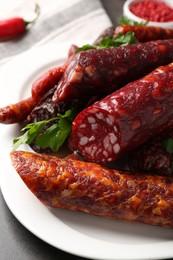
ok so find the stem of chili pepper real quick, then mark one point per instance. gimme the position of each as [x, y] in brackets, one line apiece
[16, 26]
[37, 12]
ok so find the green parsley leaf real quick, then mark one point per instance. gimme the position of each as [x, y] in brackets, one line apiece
[126, 21]
[168, 145]
[20, 140]
[53, 137]
[107, 42]
[49, 138]
[112, 42]
[125, 39]
[85, 48]
[69, 114]
[32, 131]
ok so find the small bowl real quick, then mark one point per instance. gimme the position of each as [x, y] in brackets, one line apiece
[130, 15]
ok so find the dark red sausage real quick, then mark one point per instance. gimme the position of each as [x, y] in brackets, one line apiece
[107, 32]
[72, 50]
[50, 78]
[126, 118]
[91, 188]
[153, 156]
[46, 82]
[18, 112]
[104, 70]
[145, 33]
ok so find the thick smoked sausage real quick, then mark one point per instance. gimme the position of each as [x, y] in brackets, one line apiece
[145, 33]
[104, 70]
[126, 118]
[91, 188]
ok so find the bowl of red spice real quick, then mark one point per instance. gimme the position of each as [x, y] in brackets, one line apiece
[156, 12]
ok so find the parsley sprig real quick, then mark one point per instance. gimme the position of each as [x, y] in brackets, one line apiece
[119, 40]
[124, 20]
[53, 137]
[168, 145]
[111, 42]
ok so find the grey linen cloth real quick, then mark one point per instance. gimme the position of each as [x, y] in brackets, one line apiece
[59, 21]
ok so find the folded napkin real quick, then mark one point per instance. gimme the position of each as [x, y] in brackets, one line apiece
[59, 21]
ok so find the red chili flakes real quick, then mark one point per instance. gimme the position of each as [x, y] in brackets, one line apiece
[152, 10]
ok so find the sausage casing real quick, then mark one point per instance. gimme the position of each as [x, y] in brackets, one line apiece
[18, 112]
[46, 82]
[145, 33]
[154, 156]
[104, 70]
[91, 188]
[126, 118]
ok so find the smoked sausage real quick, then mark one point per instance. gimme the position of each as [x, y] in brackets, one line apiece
[154, 156]
[108, 32]
[126, 118]
[145, 33]
[105, 70]
[46, 82]
[51, 77]
[16, 113]
[93, 189]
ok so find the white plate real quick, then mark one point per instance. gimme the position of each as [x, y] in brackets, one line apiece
[74, 232]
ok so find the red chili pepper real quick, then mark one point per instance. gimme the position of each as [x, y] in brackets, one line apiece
[152, 10]
[15, 26]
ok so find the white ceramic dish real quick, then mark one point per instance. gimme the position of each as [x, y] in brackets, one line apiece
[130, 15]
[77, 233]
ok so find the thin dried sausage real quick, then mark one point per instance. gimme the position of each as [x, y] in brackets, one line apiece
[145, 33]
[51, 77]
[108, 32]
[18, 112]
[104, 70]
[91, 188]
[46, 82]
[126, 118]
[72, 50]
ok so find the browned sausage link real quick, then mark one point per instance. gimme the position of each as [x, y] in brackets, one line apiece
[106, 33]
[104, 70]
[46, 82]
[93, 189]
[126, 118]
[18, 112]
[50, 78]
[72, 50]
[145, 33]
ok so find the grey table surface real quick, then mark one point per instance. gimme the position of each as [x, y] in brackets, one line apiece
[16, 242]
